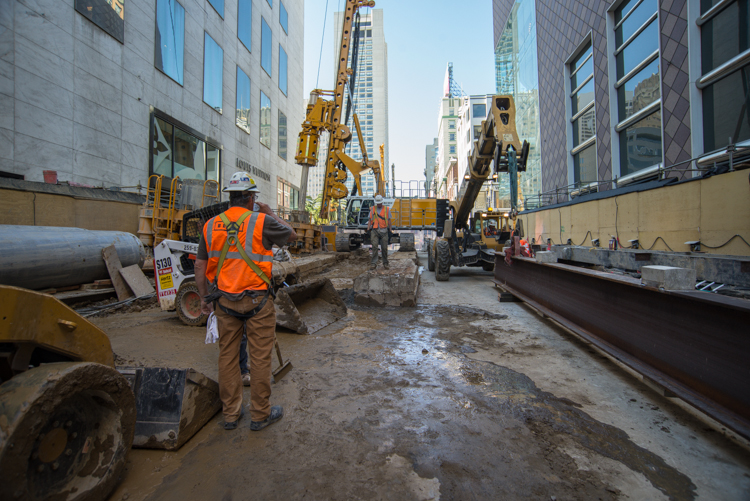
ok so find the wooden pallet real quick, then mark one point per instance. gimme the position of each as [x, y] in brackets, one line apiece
[309, 238]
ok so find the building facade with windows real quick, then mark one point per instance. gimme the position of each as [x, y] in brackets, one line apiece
[446, 174]
[623, 88]
[107, 93]
[430, 165]
[369, 97]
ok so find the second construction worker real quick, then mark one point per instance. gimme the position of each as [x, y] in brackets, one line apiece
[379, 225]
[235, 260]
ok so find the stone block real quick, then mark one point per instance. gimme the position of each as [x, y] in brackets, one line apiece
[546, 257]
[396, 286]
[668, 277]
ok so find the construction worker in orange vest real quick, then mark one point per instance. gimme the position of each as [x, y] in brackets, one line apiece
[379, 226]
[233, 271]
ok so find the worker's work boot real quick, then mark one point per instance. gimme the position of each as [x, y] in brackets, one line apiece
[231, 425]
[246, 379]
[386, 266]
[373, 266]
[277, 412]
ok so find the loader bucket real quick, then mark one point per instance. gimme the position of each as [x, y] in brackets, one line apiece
[171, 405]
[308, 307]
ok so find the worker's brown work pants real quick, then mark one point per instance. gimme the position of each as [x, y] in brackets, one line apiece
[260, 336]
[379, 237]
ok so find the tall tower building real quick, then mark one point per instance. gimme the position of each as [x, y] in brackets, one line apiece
[369, 96]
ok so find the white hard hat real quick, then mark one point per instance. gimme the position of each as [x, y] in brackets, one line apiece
[241, 181]
[378, 199]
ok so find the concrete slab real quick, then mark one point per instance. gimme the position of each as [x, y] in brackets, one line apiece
[668, 277]
[396, 286]
[546, 257]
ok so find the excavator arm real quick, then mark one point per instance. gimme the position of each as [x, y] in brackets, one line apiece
[325, 115]
[498, 141]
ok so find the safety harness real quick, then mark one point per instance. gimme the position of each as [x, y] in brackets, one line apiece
[233, 228]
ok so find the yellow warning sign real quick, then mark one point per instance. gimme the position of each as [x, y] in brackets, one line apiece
[165, 281]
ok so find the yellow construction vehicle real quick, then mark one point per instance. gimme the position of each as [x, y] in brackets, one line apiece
[460, 244]
[324, 115]
[67, 416]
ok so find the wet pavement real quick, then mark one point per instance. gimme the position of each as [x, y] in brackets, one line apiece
[477, 400]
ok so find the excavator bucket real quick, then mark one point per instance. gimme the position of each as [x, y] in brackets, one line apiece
[309, 306]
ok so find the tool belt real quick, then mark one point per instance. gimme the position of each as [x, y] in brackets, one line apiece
[248, 315]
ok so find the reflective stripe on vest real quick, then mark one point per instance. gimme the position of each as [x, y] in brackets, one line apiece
[382, 221]
[236, 276]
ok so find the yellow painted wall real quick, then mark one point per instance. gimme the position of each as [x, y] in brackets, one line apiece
[710, 210]
[44, 209]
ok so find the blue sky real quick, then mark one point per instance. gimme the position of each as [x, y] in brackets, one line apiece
[422, 37]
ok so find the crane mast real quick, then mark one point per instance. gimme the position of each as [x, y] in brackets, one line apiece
[324, 114]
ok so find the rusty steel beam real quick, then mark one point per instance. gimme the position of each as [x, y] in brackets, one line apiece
[696, 345]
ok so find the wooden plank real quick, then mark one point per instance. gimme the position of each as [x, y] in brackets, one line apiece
[137, 280]
[113, 267]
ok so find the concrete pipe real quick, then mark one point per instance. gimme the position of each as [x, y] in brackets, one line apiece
[40, 257]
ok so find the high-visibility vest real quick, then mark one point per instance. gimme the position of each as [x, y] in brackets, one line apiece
[235, 275]
[379, 220]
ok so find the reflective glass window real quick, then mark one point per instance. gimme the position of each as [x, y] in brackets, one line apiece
[218, 5]
[242, 110]
[580, 76]
[265, 46]
[635, 20]
[640, 144]
[265, 120]
[725, 35]
[189, 156]
[213, 61]
[640, 91]
[162, 148]
[638, 50]
[584, 165]
[245, 23]
[282, 135]
[270, 2]
[282, 70]
[479, 110]
[584, 127]
[725, 110]
[169, 43]
[283, 17]
[109, 15]
[583, 97]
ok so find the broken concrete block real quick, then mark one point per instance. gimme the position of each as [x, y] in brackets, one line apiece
[546, 257]
[394, 287]
[668, 277]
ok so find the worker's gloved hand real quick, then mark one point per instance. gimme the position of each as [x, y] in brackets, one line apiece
[206, 308]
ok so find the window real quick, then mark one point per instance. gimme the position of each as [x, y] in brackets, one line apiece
[107, 15]
[242, 110]
[270, 2]
[479, 110]
[179, 151]
[452, 136]
[213, 61]
[477, 131]
[265, 46]
[218, 5]
[638, 86]
[282, 70]
[452, 150]
[283, 17]
[287, 195]
[170, 39]
[265, 120]
[282, 135]
[245, 22]
[724, 36]
[583, 115]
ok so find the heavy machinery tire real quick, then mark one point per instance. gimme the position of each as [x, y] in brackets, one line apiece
[187, 302]
[67, 428]
[342, 242]
[488, 266]
[407, 242]
[442, 260]
[430, 255]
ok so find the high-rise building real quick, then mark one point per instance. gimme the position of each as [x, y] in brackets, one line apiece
[107, 92]
[430, 164]
[471, 112]
[369, 96]
[614, 91]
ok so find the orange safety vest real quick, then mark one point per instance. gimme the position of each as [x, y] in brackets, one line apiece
[235, 275]
[379, 220]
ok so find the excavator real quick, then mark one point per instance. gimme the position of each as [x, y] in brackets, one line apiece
[324, 114]
[461, 244]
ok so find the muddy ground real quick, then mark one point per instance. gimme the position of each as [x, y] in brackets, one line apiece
[461, 397]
